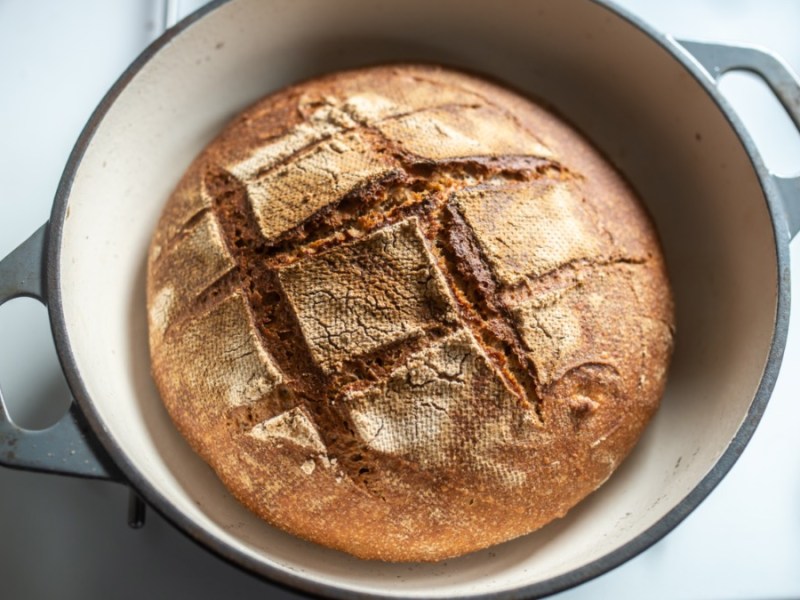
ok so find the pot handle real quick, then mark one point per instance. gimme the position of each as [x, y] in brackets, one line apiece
[718, 59]
[67, 448]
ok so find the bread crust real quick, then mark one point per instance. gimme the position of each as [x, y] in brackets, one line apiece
[406, 313]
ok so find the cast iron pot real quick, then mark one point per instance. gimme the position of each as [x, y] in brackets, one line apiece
[648, 101]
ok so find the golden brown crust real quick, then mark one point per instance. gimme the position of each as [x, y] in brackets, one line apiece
[406, 313]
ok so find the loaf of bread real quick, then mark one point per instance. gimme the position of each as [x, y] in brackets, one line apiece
[406, 313]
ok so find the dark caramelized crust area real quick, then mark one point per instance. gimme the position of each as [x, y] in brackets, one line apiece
[406, 313]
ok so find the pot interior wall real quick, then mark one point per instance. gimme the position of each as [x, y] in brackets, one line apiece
[619, 86]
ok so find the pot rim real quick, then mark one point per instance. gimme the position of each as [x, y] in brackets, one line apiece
[291, 582]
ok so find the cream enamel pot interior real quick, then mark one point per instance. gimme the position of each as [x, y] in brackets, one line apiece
[649, 102]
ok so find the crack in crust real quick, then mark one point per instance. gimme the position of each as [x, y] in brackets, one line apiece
[469, 273]
[419, 187]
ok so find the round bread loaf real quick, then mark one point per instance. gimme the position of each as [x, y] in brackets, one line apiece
[406, 313]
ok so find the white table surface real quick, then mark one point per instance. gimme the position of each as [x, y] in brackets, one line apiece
[67, 538]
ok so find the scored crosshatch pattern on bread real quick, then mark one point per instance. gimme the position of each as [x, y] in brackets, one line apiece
[384, 308]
